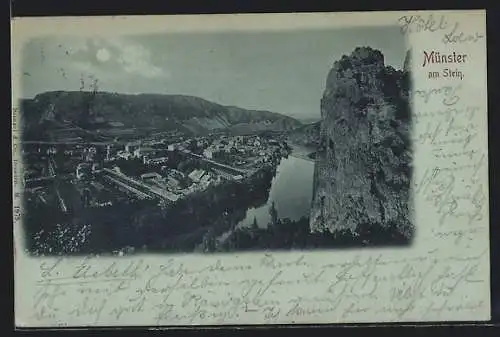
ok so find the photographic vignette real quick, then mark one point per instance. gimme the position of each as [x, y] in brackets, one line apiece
[153, 170]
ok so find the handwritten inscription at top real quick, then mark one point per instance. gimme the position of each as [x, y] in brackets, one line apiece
[420, 23]
[452, 32]
[457, 36]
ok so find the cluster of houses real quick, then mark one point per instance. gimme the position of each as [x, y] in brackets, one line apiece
[87, 161]
[180, 183]
[147, 154]
[167, 180]
[171, 179]
[208, 147]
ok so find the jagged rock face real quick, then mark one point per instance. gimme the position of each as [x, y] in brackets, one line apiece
[363, 173]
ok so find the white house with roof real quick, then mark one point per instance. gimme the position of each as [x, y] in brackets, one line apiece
[143, 151]
[196, 175]
[132, 146]
[150, 176]
[206, 179]
[208, 153]
[124, 155]
[159, 160]
[173, 182]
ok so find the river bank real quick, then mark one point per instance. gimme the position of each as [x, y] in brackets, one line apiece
[290, 193]
[302, 152]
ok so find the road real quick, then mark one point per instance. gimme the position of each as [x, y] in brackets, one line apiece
[62, 204]
[57, 180]
[60, 177]
[129, 188]
[140, 186]
[219, 165]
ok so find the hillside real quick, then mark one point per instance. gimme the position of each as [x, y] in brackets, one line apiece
[306, 135]
[103, 114]
[362, 178]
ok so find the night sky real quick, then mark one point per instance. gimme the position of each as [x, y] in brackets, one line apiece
[283, 72]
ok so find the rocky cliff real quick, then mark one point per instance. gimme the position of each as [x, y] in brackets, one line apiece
[363, 171]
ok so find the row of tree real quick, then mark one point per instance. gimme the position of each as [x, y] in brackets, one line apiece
[285, 234]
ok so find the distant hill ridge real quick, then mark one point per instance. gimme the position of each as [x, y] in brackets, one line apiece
[105, 110]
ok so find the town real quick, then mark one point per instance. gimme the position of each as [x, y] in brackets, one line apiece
[72, 177]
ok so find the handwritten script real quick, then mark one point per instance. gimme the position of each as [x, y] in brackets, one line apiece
[444, 276]
[453, 186]
[175, 293]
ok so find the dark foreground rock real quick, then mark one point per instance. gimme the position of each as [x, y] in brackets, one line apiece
[363, 169]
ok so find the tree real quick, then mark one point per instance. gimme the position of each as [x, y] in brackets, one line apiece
[192, 146]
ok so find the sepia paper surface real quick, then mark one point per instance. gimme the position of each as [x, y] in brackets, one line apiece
[442, 275]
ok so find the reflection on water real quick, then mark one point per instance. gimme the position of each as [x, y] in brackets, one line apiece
[291, 191]
[184, 226]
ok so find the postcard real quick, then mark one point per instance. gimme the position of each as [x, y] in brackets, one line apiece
[250, 169]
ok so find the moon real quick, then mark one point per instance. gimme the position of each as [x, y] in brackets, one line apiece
[103, 55]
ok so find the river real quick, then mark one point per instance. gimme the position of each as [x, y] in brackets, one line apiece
[291, 190]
